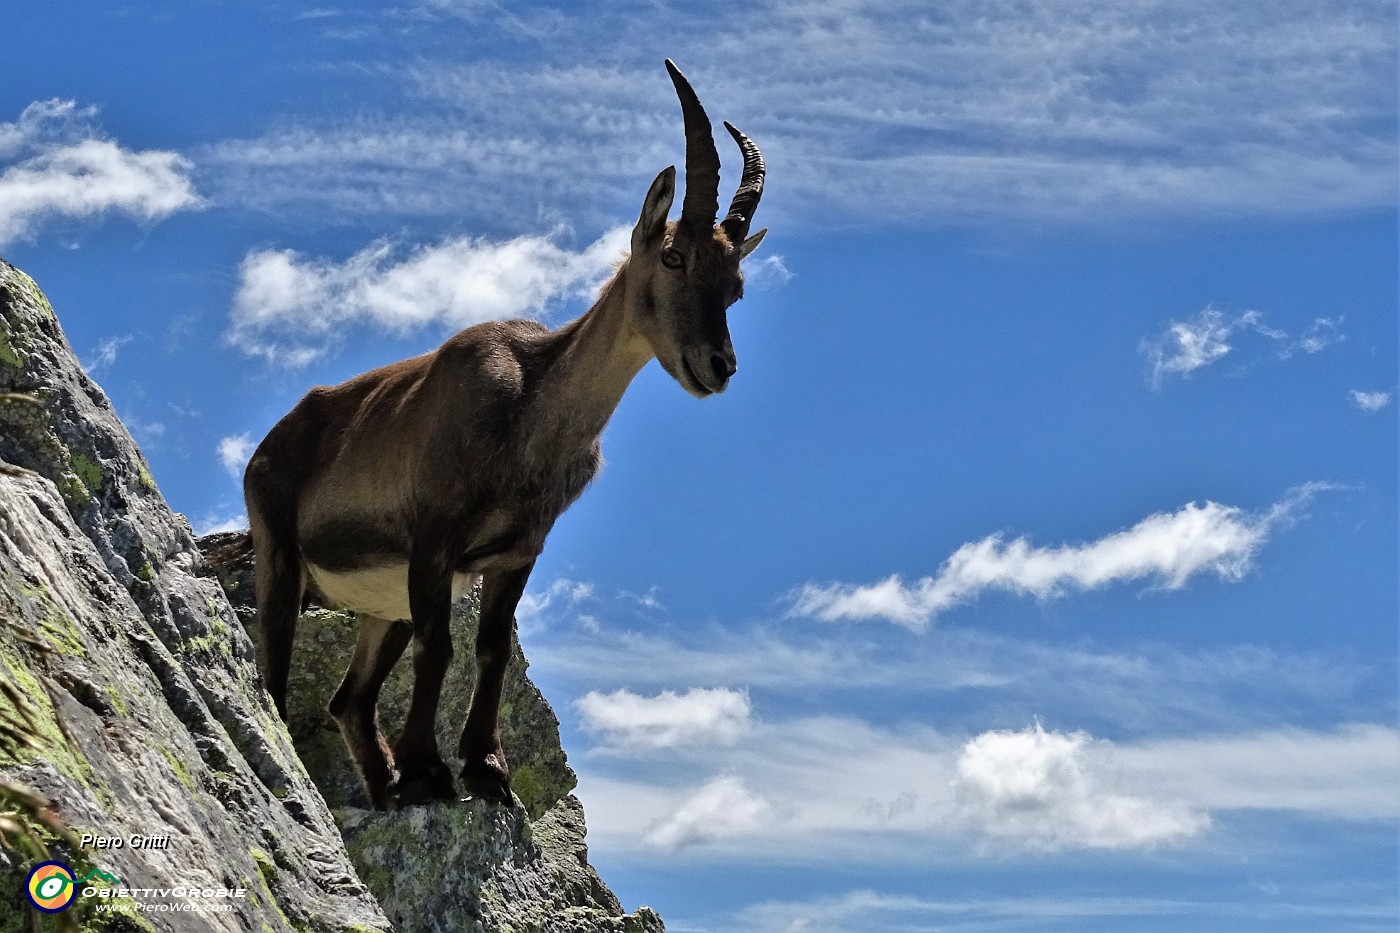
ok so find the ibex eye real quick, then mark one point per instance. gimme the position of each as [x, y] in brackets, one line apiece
[672, 258]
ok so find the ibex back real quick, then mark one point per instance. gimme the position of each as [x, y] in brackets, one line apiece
[390, 493]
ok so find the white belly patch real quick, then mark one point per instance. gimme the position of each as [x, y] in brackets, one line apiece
[380, 591]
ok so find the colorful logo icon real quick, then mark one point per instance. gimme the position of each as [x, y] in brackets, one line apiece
[51, 887]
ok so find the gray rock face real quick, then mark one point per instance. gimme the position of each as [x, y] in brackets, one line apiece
[529, 878]
[152, 719]
[144, 714]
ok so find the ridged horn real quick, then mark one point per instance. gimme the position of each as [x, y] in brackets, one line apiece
[701, 204]
[741, 209]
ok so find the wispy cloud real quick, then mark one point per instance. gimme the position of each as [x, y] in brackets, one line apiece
[1186, 346]
[58, 165]
[106, 353]
[698, 716]
[1198, 342]
[768, 272]
[877, 912]
[560, 593]
[214, 522]
[234, 453]
[1166, 548]
[1110, 109]
[1324, 332]
[602, 646]
[1372, 401]
[290, 309]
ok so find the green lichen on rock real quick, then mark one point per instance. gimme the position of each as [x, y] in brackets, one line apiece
[51, 740]
[73, 489]
[178, 767]
[89, 471]
[60, 633]
[8, 355]
[29, 290]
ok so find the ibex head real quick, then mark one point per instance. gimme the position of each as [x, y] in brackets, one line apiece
[685, 274]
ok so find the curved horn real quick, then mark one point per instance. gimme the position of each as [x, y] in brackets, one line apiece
[701, 204]
[741, 209]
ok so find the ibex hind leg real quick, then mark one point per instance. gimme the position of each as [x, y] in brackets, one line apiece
[355, 705]
[278, 583]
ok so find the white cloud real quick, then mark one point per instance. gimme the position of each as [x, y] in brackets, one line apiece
[147, 433]
[234, 453]
[290, 309]
[698, 716]
[61, 167]
[560, 593]
[767, 273]
[1186, 346]
[1035, 789]
[1167, 548]
[1372, 401]
[215, 522]
[106, 355]
[1115, 108]
[721, 809]
[1321, 334]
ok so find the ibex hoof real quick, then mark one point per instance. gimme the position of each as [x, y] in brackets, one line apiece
[423, 789]
[488, 779]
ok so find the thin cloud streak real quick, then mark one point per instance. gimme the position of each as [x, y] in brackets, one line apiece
[895, 913]
[882, 793]
[1134, 689]
[1167, 549]
[1107, 110]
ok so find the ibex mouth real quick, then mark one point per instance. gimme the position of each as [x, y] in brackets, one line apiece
[697, 385]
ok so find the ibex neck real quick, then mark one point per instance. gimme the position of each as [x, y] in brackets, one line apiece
[599, 355]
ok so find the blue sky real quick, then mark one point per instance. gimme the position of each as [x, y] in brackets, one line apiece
[1038, 569]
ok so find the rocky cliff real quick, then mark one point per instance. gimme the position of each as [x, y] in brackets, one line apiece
[131, 706]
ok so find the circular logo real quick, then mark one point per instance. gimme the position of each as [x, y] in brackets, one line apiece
[51, 887]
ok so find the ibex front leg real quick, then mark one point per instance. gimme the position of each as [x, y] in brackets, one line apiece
[423, 775]
[485, 772]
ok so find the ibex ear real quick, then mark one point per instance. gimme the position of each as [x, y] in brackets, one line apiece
[654, 210]
[751, 244]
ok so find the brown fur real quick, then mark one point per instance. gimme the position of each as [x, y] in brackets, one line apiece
[458, 462]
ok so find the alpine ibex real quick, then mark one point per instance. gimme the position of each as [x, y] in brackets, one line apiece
[390, 493]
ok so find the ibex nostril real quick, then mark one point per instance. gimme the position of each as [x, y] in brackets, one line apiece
[724, 365]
